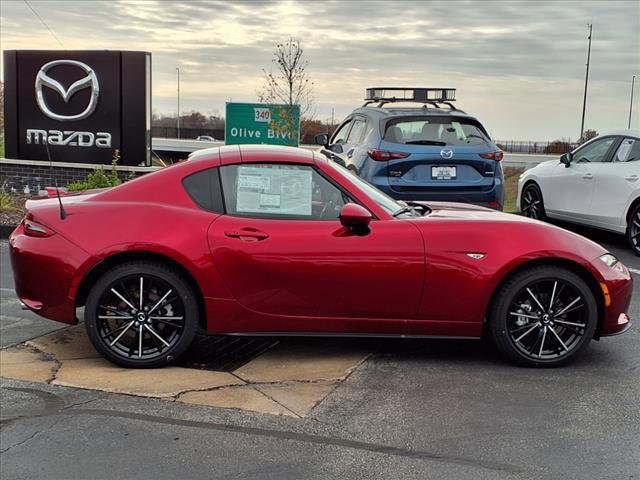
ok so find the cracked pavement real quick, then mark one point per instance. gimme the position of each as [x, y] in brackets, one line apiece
[414, 409]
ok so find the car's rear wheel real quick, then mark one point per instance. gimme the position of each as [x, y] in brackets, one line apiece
[531, 203]
[141, 315]
[543, 317]
[633, 230]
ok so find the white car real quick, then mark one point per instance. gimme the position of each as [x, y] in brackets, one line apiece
[206, 138]
[597, 184]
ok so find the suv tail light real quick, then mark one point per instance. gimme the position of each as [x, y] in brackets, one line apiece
[497, 156]
[33, 229]
[383, 155]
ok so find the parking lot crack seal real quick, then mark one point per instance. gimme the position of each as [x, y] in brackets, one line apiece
[54, 405]
[306, 438]
[77, 404]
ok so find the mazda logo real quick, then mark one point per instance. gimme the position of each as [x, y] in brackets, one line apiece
[446, 153]
[89, 81]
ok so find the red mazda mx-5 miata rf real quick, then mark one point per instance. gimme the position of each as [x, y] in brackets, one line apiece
[274, 240]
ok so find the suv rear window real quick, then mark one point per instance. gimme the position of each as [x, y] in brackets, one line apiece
[435, 131]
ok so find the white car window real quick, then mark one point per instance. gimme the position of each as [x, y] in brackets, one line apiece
[628, 151]
[594, 152]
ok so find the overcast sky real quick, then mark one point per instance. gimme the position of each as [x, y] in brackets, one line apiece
[518, 66]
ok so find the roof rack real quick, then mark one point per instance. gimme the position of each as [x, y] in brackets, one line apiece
[426, 96]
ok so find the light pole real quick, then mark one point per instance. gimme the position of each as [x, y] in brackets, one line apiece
[586, 81]
[178, 70]
[633, 80]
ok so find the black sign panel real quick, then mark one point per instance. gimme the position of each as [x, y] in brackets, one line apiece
[82, 105]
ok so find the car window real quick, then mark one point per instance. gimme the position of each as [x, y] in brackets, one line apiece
[628, 151]
[595, 151]
[204, 189]
[356, 131]
[285, 191]
[440, 131]
[341, 134]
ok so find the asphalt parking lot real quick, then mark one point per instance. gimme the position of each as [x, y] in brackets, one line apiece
[413, 409]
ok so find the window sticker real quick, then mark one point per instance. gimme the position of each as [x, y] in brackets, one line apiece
[285, 191]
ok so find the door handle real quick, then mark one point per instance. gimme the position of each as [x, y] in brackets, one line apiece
[632, 178]
[588, 176]
[248, 234]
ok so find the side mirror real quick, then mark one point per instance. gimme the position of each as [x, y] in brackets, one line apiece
[322, 139]
[355, 218]
[566, 159]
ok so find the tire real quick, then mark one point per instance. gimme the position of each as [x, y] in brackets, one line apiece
[532, 203]
[117, 326]
[546, 334]
[352, 168]
[633, 230]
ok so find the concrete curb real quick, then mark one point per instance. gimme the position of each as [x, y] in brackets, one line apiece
[5, 230]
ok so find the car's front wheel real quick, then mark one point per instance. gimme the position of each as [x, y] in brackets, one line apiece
[141, 315]
[633, 230]
[531, 203]
[543, 316]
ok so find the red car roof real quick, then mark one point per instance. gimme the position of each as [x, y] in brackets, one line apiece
[231, 154]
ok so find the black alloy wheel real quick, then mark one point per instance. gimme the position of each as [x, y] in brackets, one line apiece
[543, 316]
[141, 314]
[531, 203]
[633, 230]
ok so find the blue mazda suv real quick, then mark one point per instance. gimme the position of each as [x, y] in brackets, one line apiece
[433, 151]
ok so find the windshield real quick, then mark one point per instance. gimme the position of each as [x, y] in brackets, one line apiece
[439, 131]
[382, 199]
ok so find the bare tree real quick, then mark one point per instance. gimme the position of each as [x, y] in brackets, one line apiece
[588, 135]
[288, 83]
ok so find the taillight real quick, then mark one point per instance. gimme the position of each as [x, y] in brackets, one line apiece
[33, 229]
[497, 156]
[383, 155]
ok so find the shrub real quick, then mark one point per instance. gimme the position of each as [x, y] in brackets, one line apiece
[6, 202]
[99, 178]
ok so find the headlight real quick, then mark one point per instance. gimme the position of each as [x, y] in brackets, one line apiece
[613, 262]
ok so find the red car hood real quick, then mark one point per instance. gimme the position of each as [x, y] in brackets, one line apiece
[471, 212]
[480, 222]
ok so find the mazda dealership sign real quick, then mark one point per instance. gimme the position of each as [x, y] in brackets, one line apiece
[81, 105]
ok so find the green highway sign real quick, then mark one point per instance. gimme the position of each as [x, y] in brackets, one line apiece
[262, 123]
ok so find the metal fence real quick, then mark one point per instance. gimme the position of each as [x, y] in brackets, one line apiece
[528, 147]
[508, 146]
[186, 133]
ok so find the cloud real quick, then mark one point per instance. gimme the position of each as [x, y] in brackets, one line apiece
[519, 66]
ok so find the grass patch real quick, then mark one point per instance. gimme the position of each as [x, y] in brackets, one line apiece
[511, 175]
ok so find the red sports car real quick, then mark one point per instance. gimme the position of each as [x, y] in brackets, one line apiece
[257, 240]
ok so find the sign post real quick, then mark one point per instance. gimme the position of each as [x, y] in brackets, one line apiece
[256, 123]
